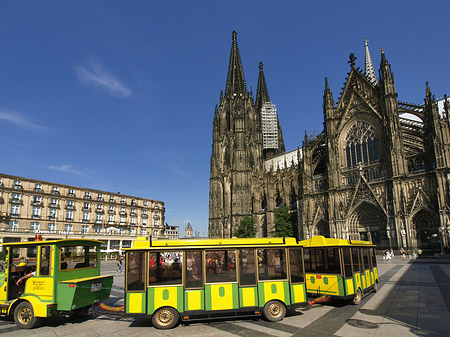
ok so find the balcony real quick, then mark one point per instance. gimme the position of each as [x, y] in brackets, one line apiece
[53, 205]
[38, 189]
[55, 192]
[36, 203]
[99, 210]
[111, 211]
[87, 197]
[70, 207]
[15, 201]
[71, 194]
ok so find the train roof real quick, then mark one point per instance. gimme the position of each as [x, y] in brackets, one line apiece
[320, 241]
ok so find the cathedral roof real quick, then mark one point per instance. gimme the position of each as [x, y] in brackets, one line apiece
[235, 79]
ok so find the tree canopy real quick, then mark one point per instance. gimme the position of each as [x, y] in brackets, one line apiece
[246, 229]
[283, 222]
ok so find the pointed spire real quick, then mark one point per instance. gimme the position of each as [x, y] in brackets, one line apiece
[328, 102]
[368, 70]
[235, 79]
[262, 93]
[386, 76]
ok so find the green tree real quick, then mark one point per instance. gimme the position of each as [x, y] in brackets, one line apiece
[246, 228]
[283, 222]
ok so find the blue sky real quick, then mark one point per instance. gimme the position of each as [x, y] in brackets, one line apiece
[120, 95]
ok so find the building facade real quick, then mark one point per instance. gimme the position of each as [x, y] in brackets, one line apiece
[379, 170]
[29, 207]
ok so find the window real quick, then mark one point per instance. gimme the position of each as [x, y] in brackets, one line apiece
[110, 218]
[87, 195]
[15, 197]
[122, 201]
[144, 212]
[15, 210]
[53, 213]
[355, 258]
[99, 217]
[100, 197]
[347, 262]
[145, 202]
[98, 229]
[165, 268]
[74, 257]
[52, 227]
[361, 144]
[69, 215]
[36, 211]
[17, 184]
[121, 231]
[45, 261]
[13, 226]
[272, 264]
[70, 203]
[247, 270]
[133, 211]
[135, 271]
[373, 257]
[99, 207]
[156, 206]
[85, 216]
[111, 209]
[144, 232]
[220, 266]
[37, 200]
[365, 254]
[71, 193]
[122, 219]
[322, 260]
[156, 223]
[53, 202]
[133, 202]
[133, 220]
[86, 206]
[38, 188]
[55, 190]
[144, 222]
[84, 229]
[68, 228]
[126, 244]
[296, 263]
[34, 226]
[122, 210]
[111, 198]
[194, 274]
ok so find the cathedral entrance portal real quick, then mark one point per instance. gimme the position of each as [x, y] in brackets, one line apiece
[428, 239]
[368, 222]
[323, 229]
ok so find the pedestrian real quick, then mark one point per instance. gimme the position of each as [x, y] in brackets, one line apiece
[403, 253]
[119, 264]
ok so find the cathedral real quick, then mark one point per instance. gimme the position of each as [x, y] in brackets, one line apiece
[379, 170]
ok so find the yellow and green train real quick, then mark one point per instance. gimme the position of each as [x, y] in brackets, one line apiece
[345, 269]
[211, 278]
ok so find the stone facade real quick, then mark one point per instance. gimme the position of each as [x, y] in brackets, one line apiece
[379, 170]
[29, 207]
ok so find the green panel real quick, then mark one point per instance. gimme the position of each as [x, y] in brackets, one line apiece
[287, 293]
[340, 282]
[235, 296]
[150, 300]
[180, 292]
[208, 304]
[261, 297]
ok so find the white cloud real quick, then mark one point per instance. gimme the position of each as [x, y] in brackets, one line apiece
[96, 75]
[19, 120]
[66, 168]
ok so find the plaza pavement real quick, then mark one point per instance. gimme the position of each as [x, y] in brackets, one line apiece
[413, 299]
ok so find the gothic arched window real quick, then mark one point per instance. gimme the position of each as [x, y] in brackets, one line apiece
[361, 144]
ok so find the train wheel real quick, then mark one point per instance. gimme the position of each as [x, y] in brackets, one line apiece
[357, 299]
[165, 318]
[24, 316]
[274, 311]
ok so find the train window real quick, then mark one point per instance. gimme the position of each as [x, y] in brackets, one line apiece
[220, 266]
[347, 262]
[74, 257]
[44, 268]
[373, 256]
[355, 258]
[295, 258]
[365, 254]
[272, 264]
[247, 270]
[165, 268]
[136, 271]
[324, 260]
[307, 260]
[194, 270]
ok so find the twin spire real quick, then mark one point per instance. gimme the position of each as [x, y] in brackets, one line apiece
[368, 69]
[235, 79]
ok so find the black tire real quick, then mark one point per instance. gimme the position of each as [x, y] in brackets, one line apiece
[165, 318]
[24, 316]
[274, 311]
[358, 297]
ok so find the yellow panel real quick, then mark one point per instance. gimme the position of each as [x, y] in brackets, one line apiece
[171, 299]
[221, 302]
[135, 303]
[194, 300]
[350, 286]
[299, 294]
[39, 286]
[39, 308]
[268, 293]
[248, 297]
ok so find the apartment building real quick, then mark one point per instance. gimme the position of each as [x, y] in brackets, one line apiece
[29, 207]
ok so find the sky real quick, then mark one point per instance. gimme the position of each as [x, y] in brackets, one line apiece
[119, 96]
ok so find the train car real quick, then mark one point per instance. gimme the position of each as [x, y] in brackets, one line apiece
[343, 269]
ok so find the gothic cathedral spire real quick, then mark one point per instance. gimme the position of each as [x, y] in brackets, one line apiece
[262, 93]
[235, 79]
[368, 69]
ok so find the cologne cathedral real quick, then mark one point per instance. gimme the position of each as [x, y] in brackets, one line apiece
[379, 170]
